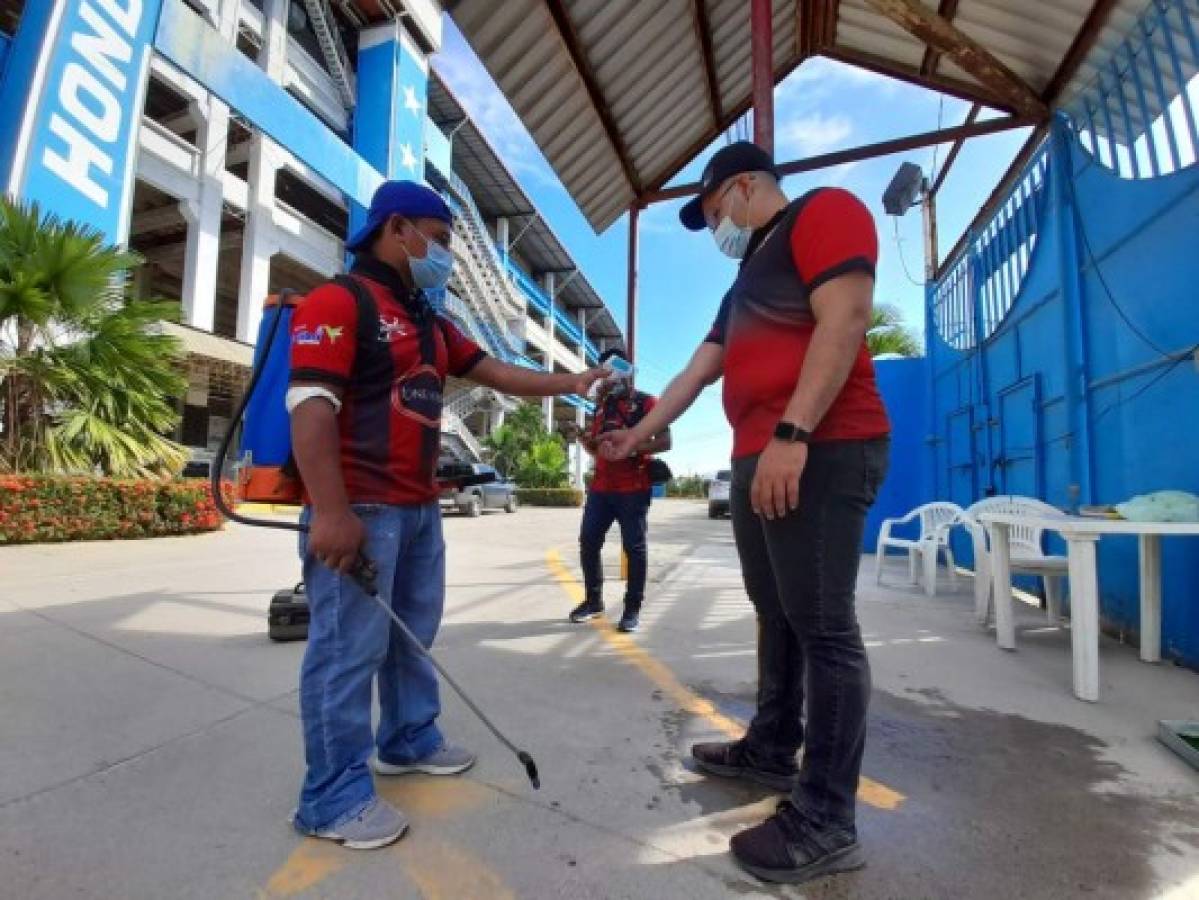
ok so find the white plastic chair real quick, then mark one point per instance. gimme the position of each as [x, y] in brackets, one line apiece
[1028, 552]
[936, 520]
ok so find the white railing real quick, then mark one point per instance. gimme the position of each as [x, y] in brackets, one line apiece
[451, 424]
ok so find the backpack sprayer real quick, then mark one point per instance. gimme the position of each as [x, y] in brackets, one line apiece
[270, 476]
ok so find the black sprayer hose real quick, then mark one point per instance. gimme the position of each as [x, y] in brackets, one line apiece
[365, 572]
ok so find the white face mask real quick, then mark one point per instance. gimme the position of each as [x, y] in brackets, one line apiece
[732, 239]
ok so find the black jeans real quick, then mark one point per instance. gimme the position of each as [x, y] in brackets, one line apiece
[632, 512]
[800, 573]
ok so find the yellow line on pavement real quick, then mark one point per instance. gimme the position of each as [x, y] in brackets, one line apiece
[874, 793]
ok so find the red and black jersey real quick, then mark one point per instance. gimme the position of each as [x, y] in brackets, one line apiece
[625, 476]
[765, 321]
[390, 420]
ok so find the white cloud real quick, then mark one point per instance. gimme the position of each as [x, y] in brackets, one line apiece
[812, 133]
[819, 77]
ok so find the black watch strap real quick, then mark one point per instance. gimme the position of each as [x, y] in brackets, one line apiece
[792, 433]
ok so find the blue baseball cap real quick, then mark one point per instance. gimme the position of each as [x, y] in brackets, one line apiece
[738, 157]
[399, 198]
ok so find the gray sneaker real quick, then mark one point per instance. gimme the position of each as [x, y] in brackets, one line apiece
[445, 760]
[378, 825]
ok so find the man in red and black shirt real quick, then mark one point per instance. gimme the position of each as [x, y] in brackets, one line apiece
[369, 360]
[619, 492]
[810, 449]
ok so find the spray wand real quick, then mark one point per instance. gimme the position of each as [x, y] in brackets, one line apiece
[365, 572]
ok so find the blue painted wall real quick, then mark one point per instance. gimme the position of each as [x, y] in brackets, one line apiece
[904, 386]
[1014, 415]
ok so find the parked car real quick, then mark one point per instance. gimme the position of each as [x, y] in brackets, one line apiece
[472, 499]
[718, 494]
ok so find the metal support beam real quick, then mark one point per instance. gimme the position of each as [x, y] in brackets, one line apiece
[703, 34]
[953, 152]
[1000, 191]
[761, 29]
[1087, 35]
[929, 209]
[951, 87]
[570, 38]
[969, 55]
[631, 310]
[947, 10]
[869, 151]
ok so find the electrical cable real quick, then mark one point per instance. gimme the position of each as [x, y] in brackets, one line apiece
[1086, 242]
[899, 252]
[1138, 392]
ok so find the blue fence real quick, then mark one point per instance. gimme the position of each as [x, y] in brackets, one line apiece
[1063, 337]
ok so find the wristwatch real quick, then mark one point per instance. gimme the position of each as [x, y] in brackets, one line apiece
[790, 433]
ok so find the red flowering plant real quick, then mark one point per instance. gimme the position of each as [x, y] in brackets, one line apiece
[46, 508]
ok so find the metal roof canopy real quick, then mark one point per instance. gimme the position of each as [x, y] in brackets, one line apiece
[498, 195]
[620, 95]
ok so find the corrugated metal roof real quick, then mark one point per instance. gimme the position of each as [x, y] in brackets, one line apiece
[498, 195]
[645, 63]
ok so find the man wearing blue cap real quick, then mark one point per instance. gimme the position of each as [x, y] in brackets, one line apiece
[369, 360]
[810, 449]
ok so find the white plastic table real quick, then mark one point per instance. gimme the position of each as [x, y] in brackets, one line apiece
[1081, 536]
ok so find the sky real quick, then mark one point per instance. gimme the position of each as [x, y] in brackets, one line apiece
[821, 107]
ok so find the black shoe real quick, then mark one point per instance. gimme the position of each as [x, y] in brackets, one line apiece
[631, 618]
[732, 760]
[789, 849]
[587, 610]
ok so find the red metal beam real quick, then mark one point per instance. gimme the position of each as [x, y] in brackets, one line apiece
[631, 309]
[869, 151]
[947, 10]
[570, 38]
[968, 54]
[954, 151]
[703, 33]
[761, 36]
[832, 14]
[1087, 35]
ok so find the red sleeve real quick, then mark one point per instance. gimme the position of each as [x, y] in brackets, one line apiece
[648, 403]
[323, 336]
[462, 354]
[834, 234]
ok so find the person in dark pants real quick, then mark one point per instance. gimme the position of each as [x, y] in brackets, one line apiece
[810, 450]
[620, 492]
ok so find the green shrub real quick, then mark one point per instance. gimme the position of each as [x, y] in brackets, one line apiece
[550, 496]
[47, 508]
[687, 486]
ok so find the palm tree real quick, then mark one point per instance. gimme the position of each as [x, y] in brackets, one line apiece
[86, 383]
[888, 336]
[524, 427]
[544, 465]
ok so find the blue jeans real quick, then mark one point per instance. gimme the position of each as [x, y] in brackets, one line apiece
[632, 512]
[350, 640]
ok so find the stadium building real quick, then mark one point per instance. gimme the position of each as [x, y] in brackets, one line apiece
[234, 143]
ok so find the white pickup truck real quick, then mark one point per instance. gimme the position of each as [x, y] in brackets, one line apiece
[718, 494]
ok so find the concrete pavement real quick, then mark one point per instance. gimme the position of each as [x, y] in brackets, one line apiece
[150, 745]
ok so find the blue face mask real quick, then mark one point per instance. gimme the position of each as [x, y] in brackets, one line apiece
[431, 271]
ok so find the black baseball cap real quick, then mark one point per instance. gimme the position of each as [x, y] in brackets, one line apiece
[742, 156]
